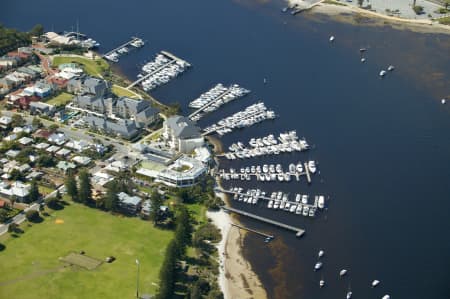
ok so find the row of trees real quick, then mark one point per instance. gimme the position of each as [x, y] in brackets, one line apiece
[83, 192]
[175, 251]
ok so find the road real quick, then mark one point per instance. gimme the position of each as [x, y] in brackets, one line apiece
[19, 218]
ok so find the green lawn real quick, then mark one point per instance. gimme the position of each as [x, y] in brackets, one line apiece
[123, 92]
[92, 67]
[61, 99]
[30, 266]
[445, 21]
[45, 190]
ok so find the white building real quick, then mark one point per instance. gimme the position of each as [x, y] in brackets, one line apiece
[182, 134]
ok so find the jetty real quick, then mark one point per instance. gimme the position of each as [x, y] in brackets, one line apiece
[133, 40]
[171, 60]
[298, 231]
[252, 230]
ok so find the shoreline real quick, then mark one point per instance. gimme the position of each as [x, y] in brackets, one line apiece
[236, 278]
[347, 14]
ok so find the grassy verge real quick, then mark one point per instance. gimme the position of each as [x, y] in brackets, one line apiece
[44, 190]
[123, 92]
[61, 99]
[31, 269]
[92, 67]
[445, 21]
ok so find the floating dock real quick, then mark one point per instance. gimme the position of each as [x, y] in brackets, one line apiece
[227, 176]
[298, 231]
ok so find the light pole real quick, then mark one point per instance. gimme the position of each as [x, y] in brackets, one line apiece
[137, 279]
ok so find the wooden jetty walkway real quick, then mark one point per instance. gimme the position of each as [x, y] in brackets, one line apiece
[297, 176]
[133, 39]
[252, 230]
[298, 231]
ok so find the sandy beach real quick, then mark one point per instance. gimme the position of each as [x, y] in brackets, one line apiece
[347, 13]
[236, 277]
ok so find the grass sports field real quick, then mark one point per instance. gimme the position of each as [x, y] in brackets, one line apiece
[31, 267]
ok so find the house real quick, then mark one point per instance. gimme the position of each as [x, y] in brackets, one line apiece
[17, 189]
[42, 146]
[129, 204]
[12, 153]
[88, 85]
[63, 152]
[82, 160]
[42, 108]
[40, 89]
[53, 149]
[57, 138]
[25, 140]
[11, 137]
[100, 178]
[65, 166]
[77, 145]
[5, 121]
[182, 134]
[122, 127]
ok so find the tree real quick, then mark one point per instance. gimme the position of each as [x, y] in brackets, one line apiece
[183, 230]
[167, 272]
[34, 191]
[44, 160]
[13, 200]
[3, 215]
[418, 9]
[156, 203]
[17, 120]
[111, 198]
[195, 293]
[360, 2]
[36, 123]
[85, 192]
[58, 195]
[16, 175]
[71, 186]
[52, 202]
[37, 30]
[53, 127]
[446, 4]
[32, 216]
[13, 227]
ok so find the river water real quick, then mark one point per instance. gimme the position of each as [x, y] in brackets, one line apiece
[383, 146]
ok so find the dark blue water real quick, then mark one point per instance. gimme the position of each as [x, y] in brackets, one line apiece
[383, 146]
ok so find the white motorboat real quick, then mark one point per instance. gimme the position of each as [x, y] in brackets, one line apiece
[386, 297]
[292, 168]
[304, 199]
[298, 197]
[312, 166]
[321, 202]
[443, 101]
[375, 283]
[331, 38]
[322, 283]
[299, 167]
[343, 272]
[382, 73]
[298, 211]
[391, 68]
[349, 295]
[363, 59]
[317, 266]
[321, 253]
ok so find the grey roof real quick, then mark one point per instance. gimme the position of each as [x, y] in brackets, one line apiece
[129, 200]
[125, 105]
[182, 127]
[124, 127]
[40, 105]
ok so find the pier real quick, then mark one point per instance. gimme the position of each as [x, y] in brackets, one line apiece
[298, 231]
[308, 176]
[172, 58]
[253, 231]
[132, 40]
[266, 198]
[261, 177]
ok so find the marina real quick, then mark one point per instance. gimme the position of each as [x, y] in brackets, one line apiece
[160, 71]
[214, 98]
[287, 142]
[123, 49]
[270, 172]
[298, 231]
[279, 201]
[253, 114]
